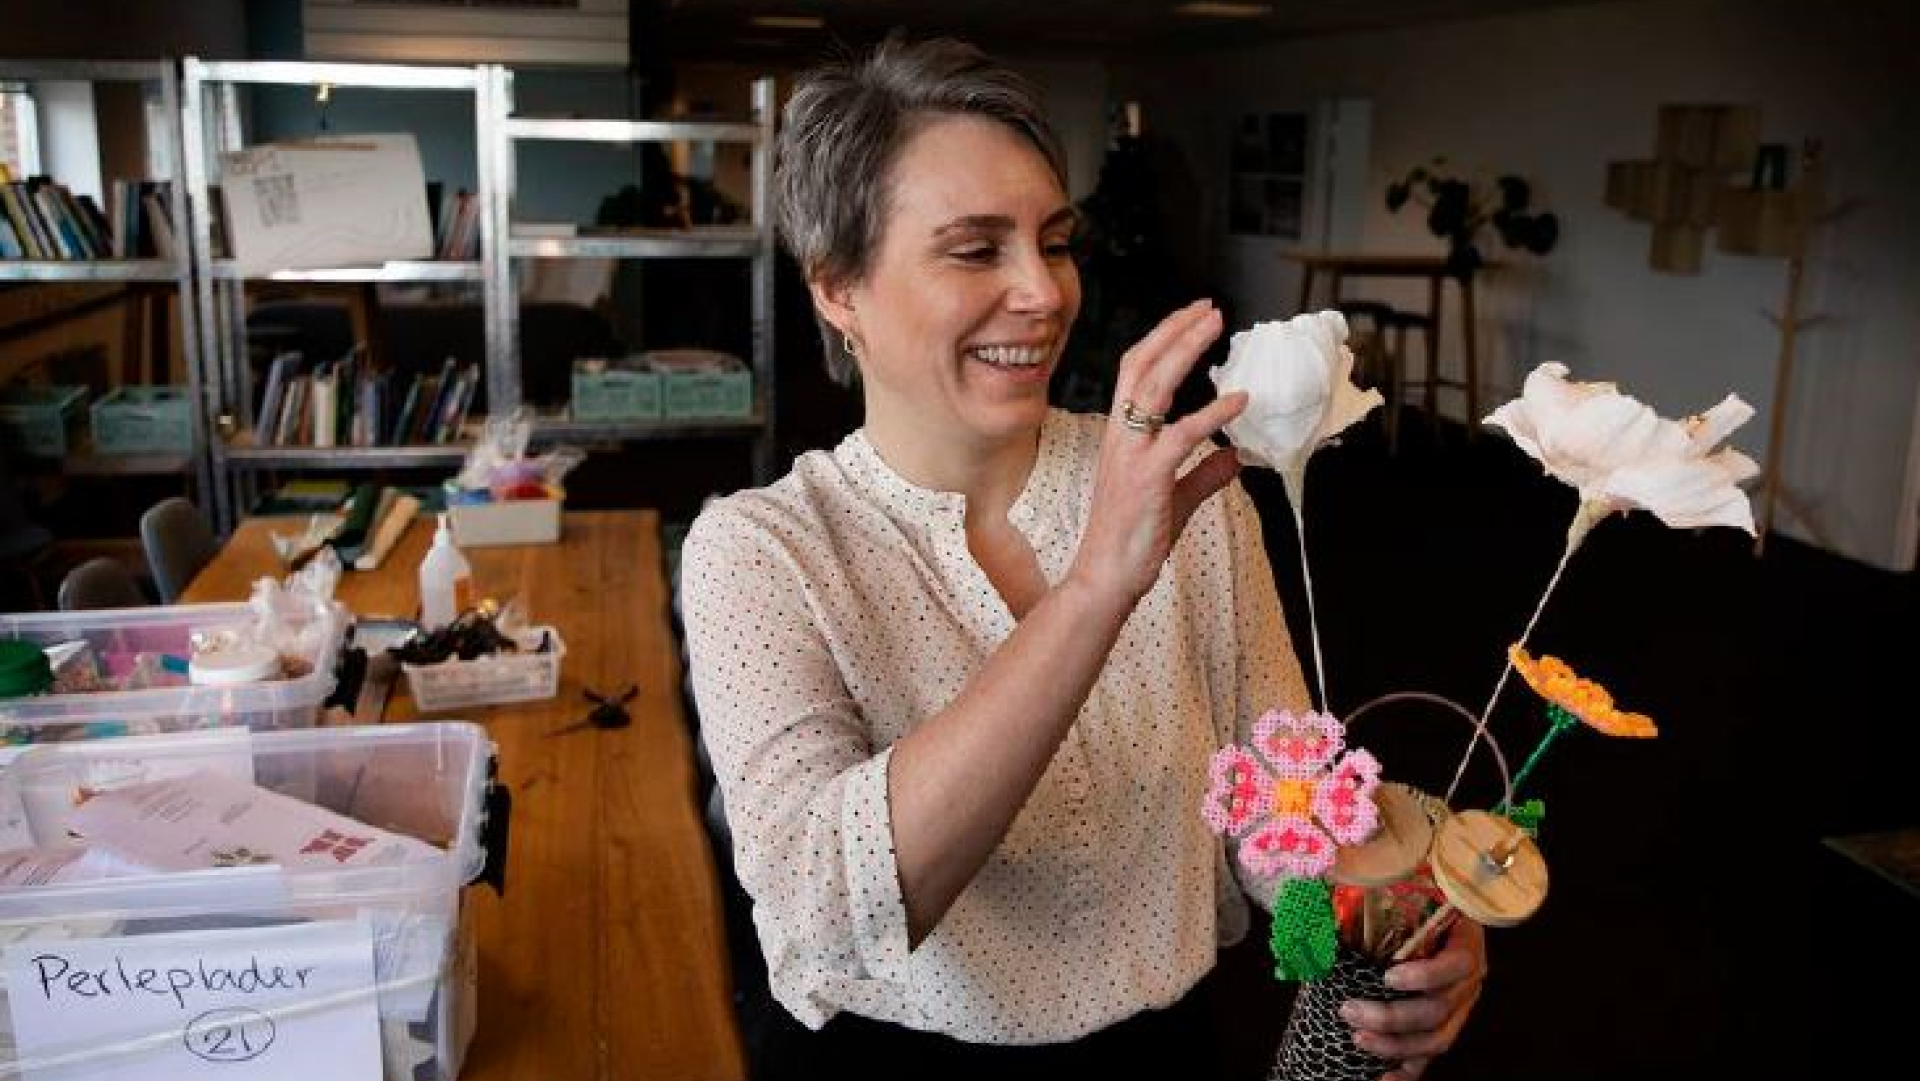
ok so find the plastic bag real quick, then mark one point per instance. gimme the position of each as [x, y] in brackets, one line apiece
[498, 464]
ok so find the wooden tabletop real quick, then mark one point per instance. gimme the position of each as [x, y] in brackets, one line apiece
[1892, 854]
[606, 957]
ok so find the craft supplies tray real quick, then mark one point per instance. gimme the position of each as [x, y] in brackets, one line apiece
[529, 675]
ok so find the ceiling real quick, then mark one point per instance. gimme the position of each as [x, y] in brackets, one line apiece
[726, 29]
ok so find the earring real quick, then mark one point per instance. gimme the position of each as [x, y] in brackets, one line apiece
[847, 347]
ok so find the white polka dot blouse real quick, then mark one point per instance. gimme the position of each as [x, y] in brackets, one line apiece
[831, 612]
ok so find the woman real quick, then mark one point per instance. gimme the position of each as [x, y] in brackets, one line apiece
[960, 677]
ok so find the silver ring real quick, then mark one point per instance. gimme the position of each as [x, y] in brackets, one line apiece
[1149, 423]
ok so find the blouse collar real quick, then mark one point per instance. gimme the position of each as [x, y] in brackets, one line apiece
[1042, 497]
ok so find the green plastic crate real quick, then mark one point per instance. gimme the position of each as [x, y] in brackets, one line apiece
[615, 394]
[42, 422]
[707, 395]
[143, 420]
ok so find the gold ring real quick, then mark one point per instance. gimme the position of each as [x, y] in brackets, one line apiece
[1148, 423]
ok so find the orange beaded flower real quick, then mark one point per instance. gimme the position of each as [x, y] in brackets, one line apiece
[1552, 679]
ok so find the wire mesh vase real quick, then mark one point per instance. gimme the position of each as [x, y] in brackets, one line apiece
[1318, 1045]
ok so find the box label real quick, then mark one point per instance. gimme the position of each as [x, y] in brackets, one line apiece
[287, 1003]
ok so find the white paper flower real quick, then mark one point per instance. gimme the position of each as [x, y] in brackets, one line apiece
[1621, 455]
[1298, 376]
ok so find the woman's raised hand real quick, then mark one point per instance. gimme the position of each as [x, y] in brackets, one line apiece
[1141, 502]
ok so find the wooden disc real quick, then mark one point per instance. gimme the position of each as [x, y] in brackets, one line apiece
[1396, 848]
[1489, 868]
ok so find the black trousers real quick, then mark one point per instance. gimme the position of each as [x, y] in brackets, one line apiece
[1225, 1028]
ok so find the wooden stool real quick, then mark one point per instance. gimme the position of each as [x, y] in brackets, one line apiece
[1385, 346]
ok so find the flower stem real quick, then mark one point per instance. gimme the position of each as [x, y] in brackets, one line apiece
[1559, 721]
[1295, 482]
[1584, 519]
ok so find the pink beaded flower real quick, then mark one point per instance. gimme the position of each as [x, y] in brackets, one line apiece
[1296, 800]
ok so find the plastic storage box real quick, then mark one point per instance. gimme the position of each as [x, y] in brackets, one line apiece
[42, 422]
[427, 781]
[527, 676]
[116, 636]
[702, 384]
[143, 420]
[608, 393]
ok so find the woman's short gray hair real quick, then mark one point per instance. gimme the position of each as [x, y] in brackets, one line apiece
[842, 130]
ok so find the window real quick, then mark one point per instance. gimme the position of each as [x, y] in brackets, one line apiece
[19, 130]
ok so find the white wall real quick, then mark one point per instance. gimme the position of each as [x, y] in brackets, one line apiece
[1555, 96]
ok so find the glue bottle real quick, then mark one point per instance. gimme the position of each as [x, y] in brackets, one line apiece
[446, 581]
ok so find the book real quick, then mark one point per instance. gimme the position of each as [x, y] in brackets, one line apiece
[64, 244]
[117, 218]
[351, 538]
[312, 493]
[393, 522]
[21, 220]
[447, 423]
[403, 417]
[352, 541]
[159, 226]
[325, 408]
[267, 421]
[94, 224]
[430, 415]
[293, 415]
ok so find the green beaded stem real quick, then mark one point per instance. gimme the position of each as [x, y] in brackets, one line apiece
[1303, 936]
[1559, 721]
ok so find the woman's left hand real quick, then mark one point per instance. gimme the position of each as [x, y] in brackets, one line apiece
[1414, 1030]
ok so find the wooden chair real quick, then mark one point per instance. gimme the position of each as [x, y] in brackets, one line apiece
[1379, 331]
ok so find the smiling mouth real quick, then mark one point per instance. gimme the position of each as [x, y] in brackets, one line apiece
[1011, 357]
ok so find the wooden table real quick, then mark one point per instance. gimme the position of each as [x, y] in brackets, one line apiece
[1892, 854]
[606, 957]
[1433, 269]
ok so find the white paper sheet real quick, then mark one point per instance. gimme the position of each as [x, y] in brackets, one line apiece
[357, 201]
[206, 820]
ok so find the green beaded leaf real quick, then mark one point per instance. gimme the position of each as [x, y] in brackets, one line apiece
[1304, 933]
[1528, 816]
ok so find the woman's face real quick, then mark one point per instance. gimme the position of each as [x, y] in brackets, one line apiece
[965, 306]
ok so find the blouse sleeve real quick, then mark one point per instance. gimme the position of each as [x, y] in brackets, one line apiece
[806, 795]
[1267, 672]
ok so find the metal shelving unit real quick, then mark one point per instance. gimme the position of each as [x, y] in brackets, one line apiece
[753, 242]
[212, 125]
[210, 112]
[163, 81]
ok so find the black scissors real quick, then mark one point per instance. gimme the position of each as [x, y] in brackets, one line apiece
[609, 711]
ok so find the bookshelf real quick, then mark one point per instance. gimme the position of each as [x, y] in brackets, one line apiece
[212, 125]
[85, 260]
[753, 242]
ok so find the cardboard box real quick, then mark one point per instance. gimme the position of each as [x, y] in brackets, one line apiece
[513, 521]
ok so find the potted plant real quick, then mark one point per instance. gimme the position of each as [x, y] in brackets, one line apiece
[1458, 207]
